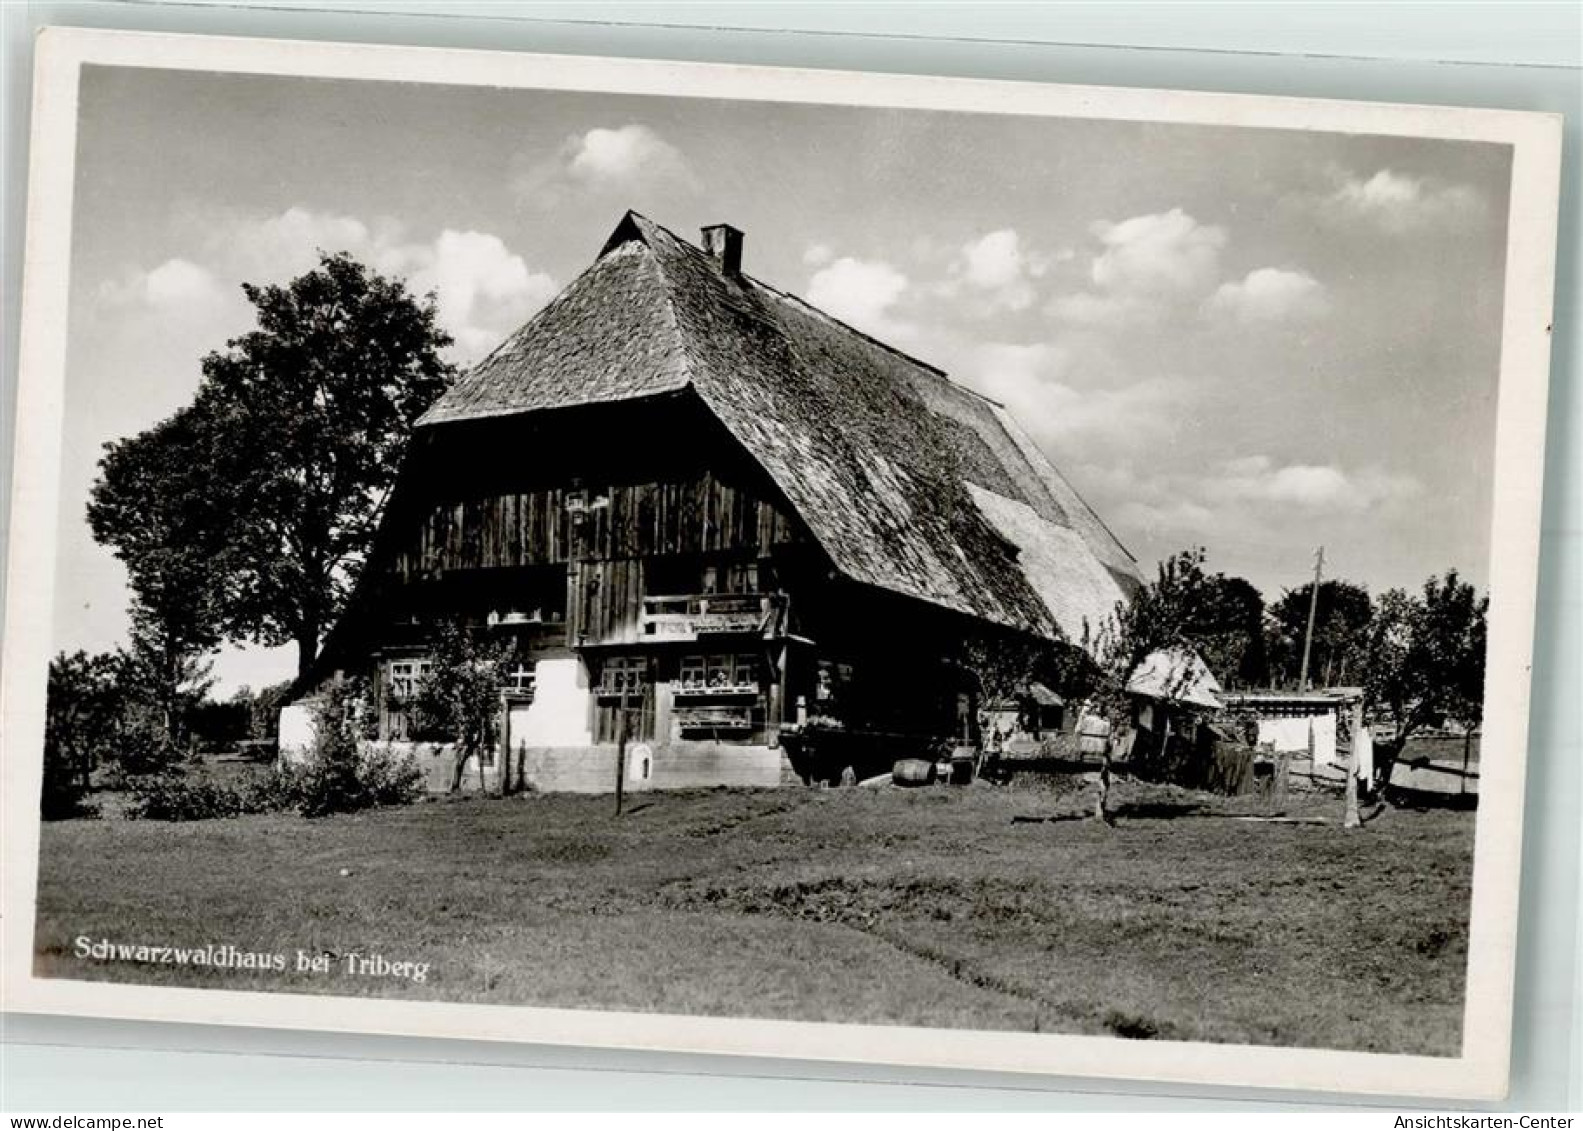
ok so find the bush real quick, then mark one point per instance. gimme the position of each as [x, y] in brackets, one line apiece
[341, 775]
[172, 797]
[346, 782]
[274, 790]
[316, 790]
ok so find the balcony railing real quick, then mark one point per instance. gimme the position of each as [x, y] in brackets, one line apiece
[696, 615]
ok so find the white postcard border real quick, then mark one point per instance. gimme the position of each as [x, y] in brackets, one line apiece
[1479, 1073]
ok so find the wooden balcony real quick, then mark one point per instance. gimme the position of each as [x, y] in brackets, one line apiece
[700, 615]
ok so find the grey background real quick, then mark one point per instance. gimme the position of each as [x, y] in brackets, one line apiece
[1514, 55]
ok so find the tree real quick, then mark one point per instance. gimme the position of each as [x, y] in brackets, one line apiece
[1214, 615]
[165, 678]
[82, 721]
[1341, 622]
[320, 401]
[247, 515]
[460, 695]
[158, 503]
[1229, 633]
[1425, 660]
[1184, 607]
[1002, 666]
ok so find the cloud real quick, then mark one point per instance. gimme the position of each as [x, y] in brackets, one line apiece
[999, 270]
[482, 289]
[176, 286]
[862, 292]
[1249, 506]
[1398, 203]
[631, 160]
[277, 248]
[615, 157]
[1147, 265]
[1269, 294]
[1313, 487]
[1036, 383]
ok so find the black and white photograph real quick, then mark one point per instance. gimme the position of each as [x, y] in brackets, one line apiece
[943, 573]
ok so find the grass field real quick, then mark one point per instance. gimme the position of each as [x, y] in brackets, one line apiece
[985, 907]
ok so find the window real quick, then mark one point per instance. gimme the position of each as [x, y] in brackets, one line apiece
[722, 674]
[405, 676]
[519, 679]
[622, 674]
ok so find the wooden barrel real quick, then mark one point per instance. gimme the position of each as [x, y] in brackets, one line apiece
[912, 771]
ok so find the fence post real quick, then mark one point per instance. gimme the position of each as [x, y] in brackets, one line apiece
[1350, 819]
[621, 748]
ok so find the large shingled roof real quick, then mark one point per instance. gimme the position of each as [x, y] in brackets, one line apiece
[908, 481]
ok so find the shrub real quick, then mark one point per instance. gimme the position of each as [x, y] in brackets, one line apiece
[316, 790]
[341, 775]
[274, 790]
[172, 797]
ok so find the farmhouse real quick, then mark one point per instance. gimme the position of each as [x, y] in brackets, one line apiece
[720, 530]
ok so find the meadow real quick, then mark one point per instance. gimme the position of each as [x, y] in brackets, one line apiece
[986, 907]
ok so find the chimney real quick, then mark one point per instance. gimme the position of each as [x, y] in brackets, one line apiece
[724, 245]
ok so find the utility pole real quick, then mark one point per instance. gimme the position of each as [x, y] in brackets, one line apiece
[1313, 607]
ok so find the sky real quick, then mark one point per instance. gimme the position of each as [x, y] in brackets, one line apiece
[1256, 341]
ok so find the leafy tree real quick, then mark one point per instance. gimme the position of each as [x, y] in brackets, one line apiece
[320, 401]
[1229, 633]
[158, 503]
[1002, 666]
[460, 694]
[1186, 608]
[1214, 615]
[82, 722]
[165, 679]
[247, 514]
[1341, 622]
[1425, 660]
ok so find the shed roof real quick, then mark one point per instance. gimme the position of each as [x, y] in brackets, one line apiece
[908, 481]
[1176, 675]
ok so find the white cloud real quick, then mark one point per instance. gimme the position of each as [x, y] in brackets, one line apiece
[1397, 203]
[482, 289]
[1269, 294]
[1035, 381]
[862, 292]
[1175, 516]
[280, 247]
[1147, 264]
[999, 269]
[1164, 253]
[613, 158]
[631, 161]
[176, 286]
[1313, 487]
